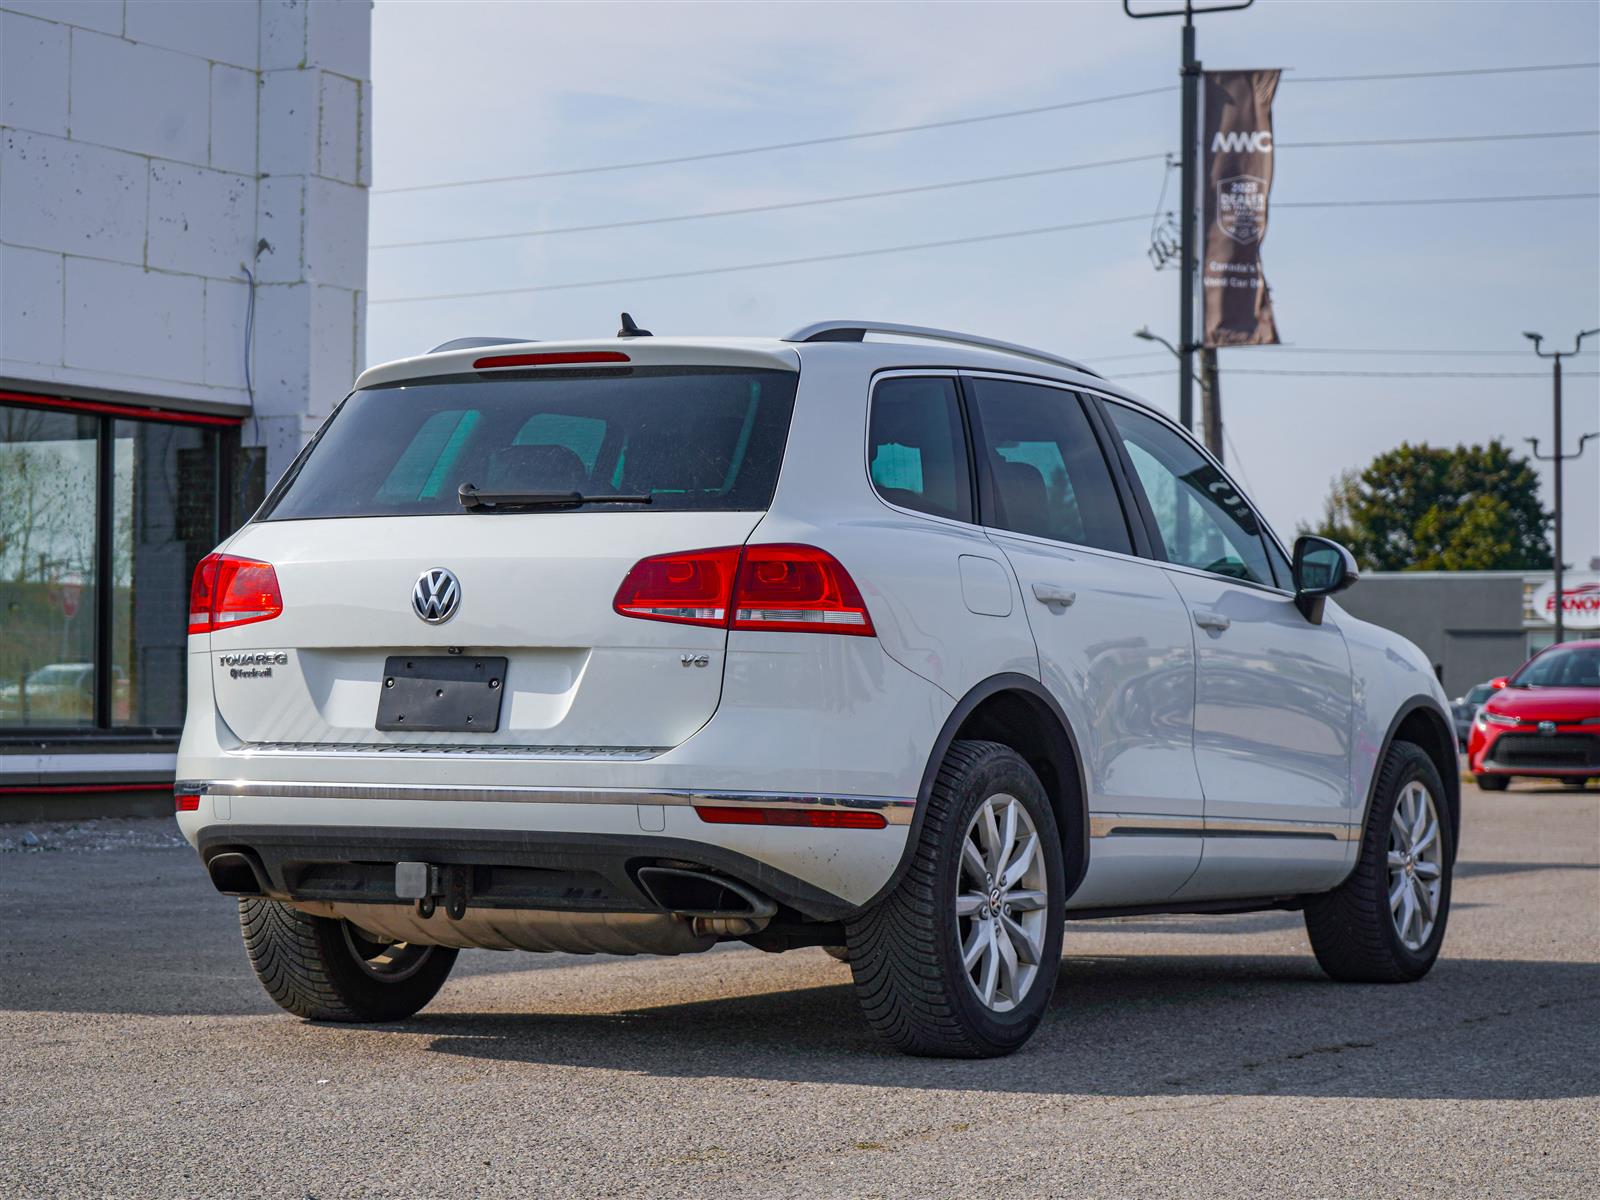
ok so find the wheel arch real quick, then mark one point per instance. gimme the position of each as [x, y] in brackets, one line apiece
[1016, 711]
[1420, 722]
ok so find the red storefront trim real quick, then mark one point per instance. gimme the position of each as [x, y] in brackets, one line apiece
[133, 411]
[82, 789]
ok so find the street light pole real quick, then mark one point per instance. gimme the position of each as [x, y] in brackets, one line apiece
[1558, 457]
[1210, 389]
[1190, 135]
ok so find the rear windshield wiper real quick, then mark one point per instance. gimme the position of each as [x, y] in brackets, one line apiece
[475, 501]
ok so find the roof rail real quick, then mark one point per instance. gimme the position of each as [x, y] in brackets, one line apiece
[856, 331]
[473, 343]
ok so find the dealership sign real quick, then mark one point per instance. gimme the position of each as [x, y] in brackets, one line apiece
[1238, 173]
[1580, 604]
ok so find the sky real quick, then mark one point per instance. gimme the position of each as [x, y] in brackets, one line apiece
[467, 91]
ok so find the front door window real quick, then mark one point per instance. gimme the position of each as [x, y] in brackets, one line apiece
[1203, 521]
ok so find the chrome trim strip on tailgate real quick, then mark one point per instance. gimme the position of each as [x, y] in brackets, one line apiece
[895, 811]
[533, 753]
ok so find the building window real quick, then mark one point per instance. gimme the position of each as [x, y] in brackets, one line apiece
[102, 520]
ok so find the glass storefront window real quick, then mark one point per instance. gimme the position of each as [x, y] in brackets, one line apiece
[90, 496]
[48, 478]
[164, 521]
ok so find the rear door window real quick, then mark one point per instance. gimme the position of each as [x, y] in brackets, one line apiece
[1046, 475]
[692, 439]
[916, 449]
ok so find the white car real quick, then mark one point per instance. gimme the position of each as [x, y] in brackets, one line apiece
[899, 642]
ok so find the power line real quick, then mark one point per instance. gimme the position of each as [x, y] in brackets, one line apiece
[762, 208]
[1418, 374]
[1433, 200]
[1432, 141]
[949, 123]
[1375, 374]
[794, 145]
[916, 189]
[1355, 350]
[1580, 66]
[760, 266]
[1393, 350]
[961, 241]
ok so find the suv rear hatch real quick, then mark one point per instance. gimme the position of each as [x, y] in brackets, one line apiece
[374, 505]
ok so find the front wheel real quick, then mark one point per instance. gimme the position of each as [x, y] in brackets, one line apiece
[1386, 922]
[328, 970]
[960, 959]
[1493, 783]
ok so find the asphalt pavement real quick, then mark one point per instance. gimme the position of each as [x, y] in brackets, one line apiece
[1183, 1056]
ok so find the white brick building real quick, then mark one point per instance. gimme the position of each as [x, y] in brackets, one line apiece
[154, 154]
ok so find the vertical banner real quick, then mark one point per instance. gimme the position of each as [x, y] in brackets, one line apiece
[1238, 179]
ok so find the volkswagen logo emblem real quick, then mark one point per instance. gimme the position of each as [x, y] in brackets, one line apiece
[1548, 728]
[436, 596]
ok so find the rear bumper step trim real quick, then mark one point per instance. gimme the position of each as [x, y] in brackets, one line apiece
[895, 811]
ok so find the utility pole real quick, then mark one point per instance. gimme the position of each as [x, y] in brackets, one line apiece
[1190, 126]
[1211, 400]
[1558, 457]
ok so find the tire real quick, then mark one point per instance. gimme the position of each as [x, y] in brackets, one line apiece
[327, 970]
[1355, 929]
[1576, 785]
[906, 953]
[1493, 783]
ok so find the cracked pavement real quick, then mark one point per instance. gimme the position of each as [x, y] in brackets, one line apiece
[1183, 1056]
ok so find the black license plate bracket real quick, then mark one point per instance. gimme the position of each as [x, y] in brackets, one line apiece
[437, 694]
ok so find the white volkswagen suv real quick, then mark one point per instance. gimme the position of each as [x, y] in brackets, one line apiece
[903, 643]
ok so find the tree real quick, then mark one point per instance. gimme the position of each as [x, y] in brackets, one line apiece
[1418, 508]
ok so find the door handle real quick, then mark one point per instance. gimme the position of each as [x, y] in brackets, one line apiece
[1213, 621]
[1053, 596]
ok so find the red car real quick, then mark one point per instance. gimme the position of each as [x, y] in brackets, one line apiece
[1543, 721]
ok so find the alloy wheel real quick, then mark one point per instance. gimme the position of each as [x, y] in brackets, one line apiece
[1002, 902]
[1416, 868]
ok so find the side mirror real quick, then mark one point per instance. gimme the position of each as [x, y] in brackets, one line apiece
[1498, 683]
[1321, 568]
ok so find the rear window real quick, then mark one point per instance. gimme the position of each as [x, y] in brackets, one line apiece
[692, 439]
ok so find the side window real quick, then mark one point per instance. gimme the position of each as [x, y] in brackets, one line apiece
[1202, 520]
[1049, 477]
[916, 452]
[1280, 563]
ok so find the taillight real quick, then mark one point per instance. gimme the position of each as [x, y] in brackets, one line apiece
[187, 802]
[691, 588]
[799, 589]
[229, 590]
[810, 818]
[796, 589]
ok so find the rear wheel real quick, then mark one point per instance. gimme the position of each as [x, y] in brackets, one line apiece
[328, 970]
[1576, 784]
[1493, 783]
[1386, 922]
[960, 959]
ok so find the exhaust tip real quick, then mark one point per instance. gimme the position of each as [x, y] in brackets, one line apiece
[701, 894]
[234, 873]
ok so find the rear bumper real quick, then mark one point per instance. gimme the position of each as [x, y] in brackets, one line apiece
[506, 869]
[305, 836]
